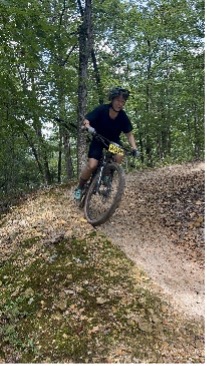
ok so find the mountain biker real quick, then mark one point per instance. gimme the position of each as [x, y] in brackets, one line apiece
[109, 120]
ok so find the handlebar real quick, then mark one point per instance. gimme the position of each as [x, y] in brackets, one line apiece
[107, 142]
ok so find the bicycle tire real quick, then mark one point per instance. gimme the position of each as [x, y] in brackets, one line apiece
[85, 190]
[115, 194]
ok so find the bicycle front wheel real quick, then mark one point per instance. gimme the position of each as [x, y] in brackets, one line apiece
[102, 199]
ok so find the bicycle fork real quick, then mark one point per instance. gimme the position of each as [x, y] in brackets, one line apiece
[100, 173]
[100, 176]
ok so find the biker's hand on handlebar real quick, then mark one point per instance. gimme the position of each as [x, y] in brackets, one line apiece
[91, 130]
[135, 153]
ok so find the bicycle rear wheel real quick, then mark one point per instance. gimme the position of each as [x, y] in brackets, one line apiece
[102, 200]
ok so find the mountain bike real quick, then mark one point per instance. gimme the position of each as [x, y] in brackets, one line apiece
[103, 192]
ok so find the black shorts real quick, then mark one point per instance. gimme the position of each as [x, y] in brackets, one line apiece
[96, 149]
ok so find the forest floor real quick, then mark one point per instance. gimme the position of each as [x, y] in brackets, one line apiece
[160, 226]
[128, 291]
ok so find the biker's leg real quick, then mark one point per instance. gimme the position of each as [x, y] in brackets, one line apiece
[85, 175]
[118, 158]
[94, 155]
[87, 171]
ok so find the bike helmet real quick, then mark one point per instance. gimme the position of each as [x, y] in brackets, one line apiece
[117, 91]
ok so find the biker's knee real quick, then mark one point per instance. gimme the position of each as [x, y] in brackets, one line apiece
[92, 165]
[118, 158]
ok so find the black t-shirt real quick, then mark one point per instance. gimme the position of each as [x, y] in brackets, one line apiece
[110, 128]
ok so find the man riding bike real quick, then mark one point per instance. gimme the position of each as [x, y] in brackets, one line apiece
[109, 120]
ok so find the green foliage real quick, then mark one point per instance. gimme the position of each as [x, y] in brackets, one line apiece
[155, 48]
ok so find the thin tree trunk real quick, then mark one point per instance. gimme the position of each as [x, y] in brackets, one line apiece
[196, 133]
[68, 159]
[148, 91]
[85, 46]
[97, 76]
[42, 153]
[35, 153]
[59, 168]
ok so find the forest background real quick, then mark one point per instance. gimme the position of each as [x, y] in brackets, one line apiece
[59, 59]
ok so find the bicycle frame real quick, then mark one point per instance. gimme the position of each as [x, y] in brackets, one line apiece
[107, 158]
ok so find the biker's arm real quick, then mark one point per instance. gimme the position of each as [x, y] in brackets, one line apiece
[131, 140]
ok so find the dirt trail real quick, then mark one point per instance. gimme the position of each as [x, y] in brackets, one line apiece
[63, 285]
[159, 225]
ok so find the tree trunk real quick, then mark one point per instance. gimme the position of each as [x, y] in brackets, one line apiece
[42, 151]
[35, 153]
[196, 133]
[97, 76]
[148, 95]
[68, 159]
[85, 46]
[59, 167]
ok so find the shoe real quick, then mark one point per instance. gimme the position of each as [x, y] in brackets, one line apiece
[78, 194]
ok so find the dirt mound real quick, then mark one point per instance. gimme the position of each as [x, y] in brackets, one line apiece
[160, 226]
[76, 296]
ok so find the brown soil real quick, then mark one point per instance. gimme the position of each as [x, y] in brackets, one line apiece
[159, 225]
